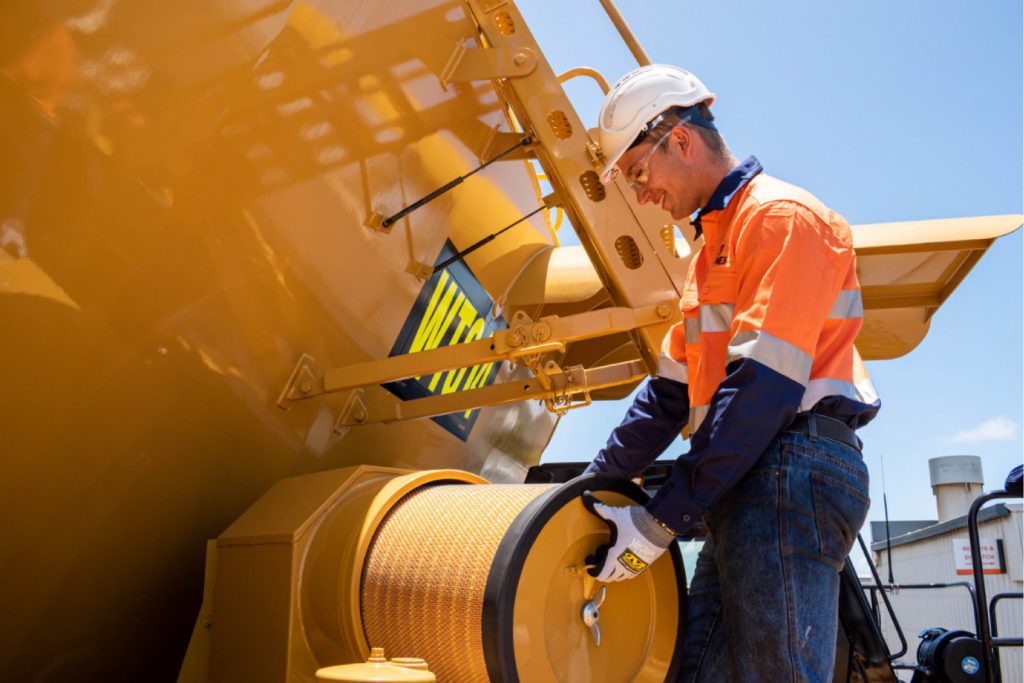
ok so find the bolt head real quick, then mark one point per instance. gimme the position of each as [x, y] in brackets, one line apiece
[663, 311]
[306, 386]
[519, 59]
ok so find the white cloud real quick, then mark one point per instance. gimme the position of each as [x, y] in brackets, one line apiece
[994, 429]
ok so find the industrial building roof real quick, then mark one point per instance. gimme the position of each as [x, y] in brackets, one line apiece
[936, 529]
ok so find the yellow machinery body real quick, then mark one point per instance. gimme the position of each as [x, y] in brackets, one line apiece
[193, 198]
[482, 581]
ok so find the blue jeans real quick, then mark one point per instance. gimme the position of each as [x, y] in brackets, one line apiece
[763, 603]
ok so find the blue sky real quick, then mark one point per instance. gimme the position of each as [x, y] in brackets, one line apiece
[887, 111]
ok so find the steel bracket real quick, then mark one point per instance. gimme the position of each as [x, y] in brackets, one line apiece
[497, 141]
[524, 338]
[375, 221]
[595, 155]
[302, 383]
[353, 413]
[419, 270]
[486, 63]
[562, 386]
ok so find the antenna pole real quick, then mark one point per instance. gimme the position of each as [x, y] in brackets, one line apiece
[888, 535]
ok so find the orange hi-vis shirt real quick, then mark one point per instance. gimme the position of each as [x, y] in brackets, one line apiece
[776, 282]
[771, 309]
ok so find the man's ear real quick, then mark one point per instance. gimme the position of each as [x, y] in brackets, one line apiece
[681, 139]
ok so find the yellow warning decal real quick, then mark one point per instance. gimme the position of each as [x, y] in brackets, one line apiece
[451, 316]
[630, 561]
[452, 308]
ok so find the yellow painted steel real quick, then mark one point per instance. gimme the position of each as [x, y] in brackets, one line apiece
[185, 194]
[282, 600]
[907, 270]
[639, 619]
[190, 183]
[603, 216]
[326, 565]
[626, 32]
[594, 74]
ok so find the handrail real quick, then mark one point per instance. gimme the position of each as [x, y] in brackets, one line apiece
[981, 607]
[1016, 641]
[885, 598]
[992, 608]
[627, 33]
[589, 72]
[897, 587]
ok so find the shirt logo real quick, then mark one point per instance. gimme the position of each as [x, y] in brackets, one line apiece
[630, 561]
[721, 259]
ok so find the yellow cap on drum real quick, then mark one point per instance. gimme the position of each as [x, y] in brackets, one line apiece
[378, 670]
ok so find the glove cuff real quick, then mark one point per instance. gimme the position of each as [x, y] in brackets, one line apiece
[654, 531]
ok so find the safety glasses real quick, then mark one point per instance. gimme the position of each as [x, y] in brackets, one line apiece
[639, 173]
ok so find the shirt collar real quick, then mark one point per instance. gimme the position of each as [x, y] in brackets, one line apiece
[730, 185]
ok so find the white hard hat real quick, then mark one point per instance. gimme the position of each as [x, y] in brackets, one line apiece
[640, 96]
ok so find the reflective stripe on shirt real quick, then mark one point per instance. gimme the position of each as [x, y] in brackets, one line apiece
[715, 317]
[692, 326]
[672, 369]
[817, 389]
[777, 354]
[848, 305]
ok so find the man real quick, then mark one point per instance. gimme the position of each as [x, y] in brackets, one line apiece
[764, 372]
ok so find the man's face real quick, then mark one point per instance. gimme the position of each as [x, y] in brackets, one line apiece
[660, 171]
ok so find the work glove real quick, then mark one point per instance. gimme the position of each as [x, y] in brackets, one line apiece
[638, 539]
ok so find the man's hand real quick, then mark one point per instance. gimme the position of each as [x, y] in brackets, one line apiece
[638, 539]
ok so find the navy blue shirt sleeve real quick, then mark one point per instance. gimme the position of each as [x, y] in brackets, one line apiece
[655, 419]
[751, 405]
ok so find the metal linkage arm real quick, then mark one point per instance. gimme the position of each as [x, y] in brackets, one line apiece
[565, 384]
[523, 339]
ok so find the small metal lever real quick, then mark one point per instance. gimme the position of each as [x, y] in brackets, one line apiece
[590, 615]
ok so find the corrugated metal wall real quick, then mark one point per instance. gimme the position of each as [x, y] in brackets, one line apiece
[931, 561]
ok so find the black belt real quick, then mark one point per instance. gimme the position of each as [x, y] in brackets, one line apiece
[824, 427]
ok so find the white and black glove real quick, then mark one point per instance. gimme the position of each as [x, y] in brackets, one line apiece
[638, 539]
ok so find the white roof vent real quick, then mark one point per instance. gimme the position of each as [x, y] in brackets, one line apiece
[956, 481]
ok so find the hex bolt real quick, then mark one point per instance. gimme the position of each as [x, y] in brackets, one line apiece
[519, 59]
[663, 311]
[306, 386]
